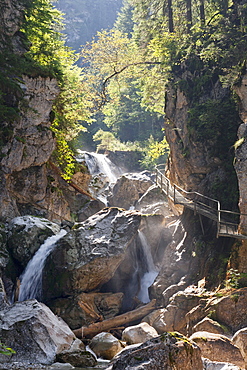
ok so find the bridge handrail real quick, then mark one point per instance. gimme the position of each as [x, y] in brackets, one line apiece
[217, 208]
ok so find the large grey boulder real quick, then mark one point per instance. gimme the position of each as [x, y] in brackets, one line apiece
[129, 188]
[34, 332]
[164, 352]
[88, 256]
[26, 234]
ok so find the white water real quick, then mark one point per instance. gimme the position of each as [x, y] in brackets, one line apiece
[31, 279]
[149, 277]
[99, 163]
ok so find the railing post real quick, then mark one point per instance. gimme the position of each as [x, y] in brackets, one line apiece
[156, 176]
[161, 181]
[167, 187]
[174, 194]
[218, 220]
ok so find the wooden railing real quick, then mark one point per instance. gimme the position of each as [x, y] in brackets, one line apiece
[201, 204]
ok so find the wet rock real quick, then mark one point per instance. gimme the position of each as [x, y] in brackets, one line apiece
[88, 256]
[105, 345]
[129, 188]
[164, 352]
[218, 347]
[139, 333]
[27, 234]
[240, 340]
[86, 308]
[34, 332]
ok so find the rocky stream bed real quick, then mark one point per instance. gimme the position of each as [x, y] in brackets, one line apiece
[122, 285]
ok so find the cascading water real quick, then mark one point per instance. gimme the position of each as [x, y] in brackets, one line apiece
[31, 279]
[99, 164]
[151, 273]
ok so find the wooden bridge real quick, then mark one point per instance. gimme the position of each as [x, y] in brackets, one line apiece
[227, 221]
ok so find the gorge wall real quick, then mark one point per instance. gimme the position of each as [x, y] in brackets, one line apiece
[29, 184]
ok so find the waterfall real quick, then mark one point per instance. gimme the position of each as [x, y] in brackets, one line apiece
[31, 279]
[151, 273]
[99, 163]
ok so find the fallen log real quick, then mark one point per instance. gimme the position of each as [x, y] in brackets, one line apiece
[97, 327]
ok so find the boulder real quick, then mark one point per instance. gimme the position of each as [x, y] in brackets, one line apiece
[86, 308]
[139, 333]
[90, 209]
[26, 234]
[214, 365]
[88, 256]
[105, 345]
[153, 201]
[218, 347]
[231, 309]
[129, 188]
[210, 326]
[240, 340]
[34, 332]
[173, 317]
[77, 356]
[168, 351]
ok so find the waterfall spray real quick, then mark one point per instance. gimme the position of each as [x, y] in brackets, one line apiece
[31, 279]
[151, 273]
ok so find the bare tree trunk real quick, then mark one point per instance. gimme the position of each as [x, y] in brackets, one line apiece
[98, 327]
[202, 12]
[170, 17]
[188, 15]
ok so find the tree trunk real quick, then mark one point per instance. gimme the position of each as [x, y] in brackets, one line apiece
[188, 15]
[170, 17]
[202, 12]
[98, 327]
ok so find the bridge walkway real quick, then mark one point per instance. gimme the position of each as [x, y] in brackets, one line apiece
[227, 221]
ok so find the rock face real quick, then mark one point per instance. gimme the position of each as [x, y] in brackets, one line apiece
[128, 189]
[164, 352]
[88, 256]
[34, 332]
[26, 234]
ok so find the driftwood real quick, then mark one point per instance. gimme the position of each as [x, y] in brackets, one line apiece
[98, 327]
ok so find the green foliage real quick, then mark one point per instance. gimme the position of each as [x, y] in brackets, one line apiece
[4, 350]
[107, 141]
[155, 152]
[232, 280]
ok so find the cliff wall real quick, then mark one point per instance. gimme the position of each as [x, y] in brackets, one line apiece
[28, 184]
